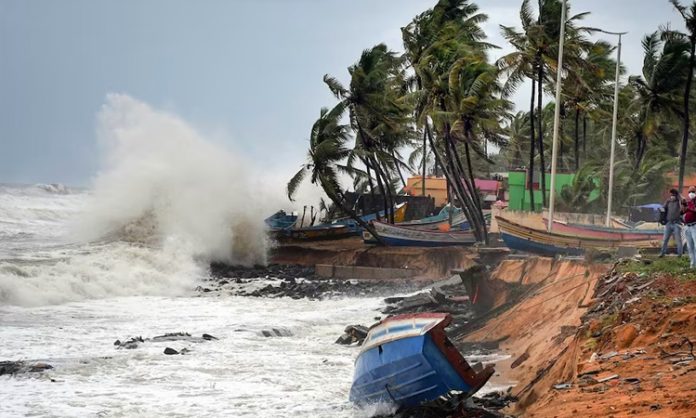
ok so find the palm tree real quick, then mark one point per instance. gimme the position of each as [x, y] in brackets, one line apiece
[454, 73]
[536, 57]
[379, 116]
[689, 16]
[517, 66]
[656, 102]
[517, 133]
[327, 151]
[588, 85]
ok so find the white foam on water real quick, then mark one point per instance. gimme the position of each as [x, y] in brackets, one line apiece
[244, 374]
[159, 168]
[165, 203]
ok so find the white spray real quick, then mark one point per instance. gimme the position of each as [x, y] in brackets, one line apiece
[162, 180]
[165, 203]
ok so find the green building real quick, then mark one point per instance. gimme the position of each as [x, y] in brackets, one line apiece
[519, 198]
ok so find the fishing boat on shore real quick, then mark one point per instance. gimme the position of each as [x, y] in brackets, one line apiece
[338, 229]
[281, 221]
[523, 238]
[603, 232]
[408, 360]
[399, 236]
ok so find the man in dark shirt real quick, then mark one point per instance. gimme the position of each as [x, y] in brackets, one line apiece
[673, 209]
[690, 228]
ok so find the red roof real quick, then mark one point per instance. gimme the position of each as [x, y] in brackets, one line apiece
[491, 186]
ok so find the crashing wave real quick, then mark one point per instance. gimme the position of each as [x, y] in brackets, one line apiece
[55, 188]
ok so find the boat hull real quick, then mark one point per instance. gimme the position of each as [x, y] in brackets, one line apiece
[408, 360]
[592, 231]
[408, 237]
[527, 245]
[523, 238]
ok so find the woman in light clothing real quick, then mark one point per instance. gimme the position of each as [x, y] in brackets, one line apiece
[690, 225]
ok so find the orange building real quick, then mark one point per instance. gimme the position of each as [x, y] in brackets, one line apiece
[436, 187]
[689, 180]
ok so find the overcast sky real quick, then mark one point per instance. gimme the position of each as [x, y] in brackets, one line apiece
[247, 73]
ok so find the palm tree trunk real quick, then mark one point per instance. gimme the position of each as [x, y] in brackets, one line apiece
[464, 200]
[530, 169]
[687, 94]
[398, 169]
[388, 186]
[450, 174]
[466, 188]
[382, 190]
[371, 183]
[338, 198]
[479, 211]
[577, 138]
[425, 161]
[584, 135]
[540, 104]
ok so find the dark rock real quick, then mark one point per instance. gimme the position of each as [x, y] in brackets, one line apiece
[19, 367]
[209, 337]
[130, 344]
[344, 339]
[170, 351]
[276, 332]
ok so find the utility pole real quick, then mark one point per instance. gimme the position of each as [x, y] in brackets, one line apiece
[557, 116]
[613, 126]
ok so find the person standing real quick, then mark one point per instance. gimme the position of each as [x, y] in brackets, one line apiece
[690, 225]
[673, 222]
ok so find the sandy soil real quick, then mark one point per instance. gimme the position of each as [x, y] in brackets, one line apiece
[645, 353]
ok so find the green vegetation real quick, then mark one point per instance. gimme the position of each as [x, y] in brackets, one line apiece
[445, 102]
[677, 266]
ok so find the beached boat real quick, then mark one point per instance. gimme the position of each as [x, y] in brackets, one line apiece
[408, 360]
[280, 221]
[319, 232]
[603, 232]
[399, 215]
[539, 241]
[399, 236]
[340, 228]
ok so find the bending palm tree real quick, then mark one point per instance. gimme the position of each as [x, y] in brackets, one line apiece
[689, 16]
[327, 149]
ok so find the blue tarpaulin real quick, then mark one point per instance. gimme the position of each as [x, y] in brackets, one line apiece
[645, 213]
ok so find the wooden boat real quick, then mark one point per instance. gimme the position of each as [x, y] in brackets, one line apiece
[408, 360]
[399, 236]
[319, 232]
[523, 238]
[280, 221]
[602, 232]
[399, 215]
[341, 228]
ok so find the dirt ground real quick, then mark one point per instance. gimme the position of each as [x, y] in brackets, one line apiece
[597, 341]
[636, 361]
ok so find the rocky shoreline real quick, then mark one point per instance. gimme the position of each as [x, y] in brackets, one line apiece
[293, 281]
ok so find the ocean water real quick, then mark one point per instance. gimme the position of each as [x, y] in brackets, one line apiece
[66, 303]
[81, 268]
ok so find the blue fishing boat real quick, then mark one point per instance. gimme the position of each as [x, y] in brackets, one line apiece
[280, 221]
[408, 360]
[539, 241]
